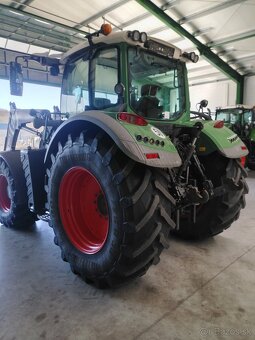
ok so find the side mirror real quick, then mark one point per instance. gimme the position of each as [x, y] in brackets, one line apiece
[204, 103]
[54, 70]
[16, 79]
[119, 89]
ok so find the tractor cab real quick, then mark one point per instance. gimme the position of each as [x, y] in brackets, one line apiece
[126, 71]
[239, 118]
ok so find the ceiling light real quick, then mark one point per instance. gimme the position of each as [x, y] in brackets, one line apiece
[16, 13]
[43, 22]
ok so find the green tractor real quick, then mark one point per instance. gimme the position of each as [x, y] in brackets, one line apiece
[241, 119]
[121, 165]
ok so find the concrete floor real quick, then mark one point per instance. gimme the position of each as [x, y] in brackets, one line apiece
[201, 290]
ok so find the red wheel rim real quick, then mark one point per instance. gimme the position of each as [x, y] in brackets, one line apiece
[83, 210]
[5, 202]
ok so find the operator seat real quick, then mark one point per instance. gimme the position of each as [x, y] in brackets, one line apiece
[148, 104]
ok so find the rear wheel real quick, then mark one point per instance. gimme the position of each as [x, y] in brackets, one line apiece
[220, 212]
[14, 212]
[110, 214]
[87, 223]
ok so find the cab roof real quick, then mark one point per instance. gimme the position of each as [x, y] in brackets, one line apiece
[238, 106]
[118, 37]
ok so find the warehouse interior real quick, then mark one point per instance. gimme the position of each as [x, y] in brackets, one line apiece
[200, 289]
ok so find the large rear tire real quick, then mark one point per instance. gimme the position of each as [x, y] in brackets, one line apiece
[250, 158]
[110, 214]
[14, 212]
[220, 212]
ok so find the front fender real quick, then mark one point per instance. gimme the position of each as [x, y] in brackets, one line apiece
[125, 137]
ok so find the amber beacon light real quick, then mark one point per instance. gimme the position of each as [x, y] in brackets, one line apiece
[106, 29]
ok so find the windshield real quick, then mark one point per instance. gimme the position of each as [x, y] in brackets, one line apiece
[236, 115]
[249, 116]
[232, 116]
[156, 85]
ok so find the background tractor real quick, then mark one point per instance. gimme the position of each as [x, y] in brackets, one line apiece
[121, 164]
[241, 119]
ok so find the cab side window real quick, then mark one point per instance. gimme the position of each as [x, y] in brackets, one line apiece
[75, 90]
[105, 67]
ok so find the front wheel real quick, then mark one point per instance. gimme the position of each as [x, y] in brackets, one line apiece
[221, 211]
[110, 214]
[14, 212]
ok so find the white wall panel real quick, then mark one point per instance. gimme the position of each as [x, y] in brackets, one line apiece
[249, 91]
[217, 94]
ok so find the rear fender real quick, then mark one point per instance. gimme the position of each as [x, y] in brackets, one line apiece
[223, 140]
[125, 137]
[252, 134]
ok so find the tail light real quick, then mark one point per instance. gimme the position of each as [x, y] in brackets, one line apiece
[243, 161]
[152, 155]
[132, 119]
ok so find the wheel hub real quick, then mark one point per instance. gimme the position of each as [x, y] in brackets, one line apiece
[83, 210]
[101, 205]
[5, 202]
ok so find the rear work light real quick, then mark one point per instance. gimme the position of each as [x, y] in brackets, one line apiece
[132, 119]
[138, 36]
[219, 124]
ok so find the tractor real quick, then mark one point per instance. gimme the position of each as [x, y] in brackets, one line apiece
[121, 166]
[241, 119]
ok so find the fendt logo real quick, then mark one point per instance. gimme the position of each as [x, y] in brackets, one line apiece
[233, 138]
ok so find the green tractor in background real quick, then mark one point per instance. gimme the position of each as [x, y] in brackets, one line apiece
[121, 165]
[241, 119]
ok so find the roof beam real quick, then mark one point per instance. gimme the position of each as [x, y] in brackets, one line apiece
[29, 27]
[135, 20]
[167, 5]
[199, 68]
[170, 4]
[32, 71]
[101, 13]
[208, 82]
[40, 42]
[24, 4]
[210, 10]
[203, 49]
[232, 38]
[240, 59]
[205, 76]
[33, 16]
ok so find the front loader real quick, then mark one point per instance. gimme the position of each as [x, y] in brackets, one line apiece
[122, 165]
